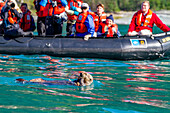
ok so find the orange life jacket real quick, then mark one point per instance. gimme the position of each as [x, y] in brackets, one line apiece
[80, 26]
[25, 22]
[59, 8]
[111, 30]
[45, 11]
[11, 17]
[75, 4]
[147, 20]
[99, 19]
[48, 10]
[2, 4]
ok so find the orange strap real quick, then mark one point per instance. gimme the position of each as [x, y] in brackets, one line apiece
[147, 20]
[11, 19]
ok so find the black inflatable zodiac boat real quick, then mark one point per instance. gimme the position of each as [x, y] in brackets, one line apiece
[123, 48]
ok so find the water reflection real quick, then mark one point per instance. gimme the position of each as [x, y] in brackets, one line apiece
[140, 89]
[151, 102]
[144, 79]
[53, 92]
[153, 93]
[154, 75]
[158, 65]
[33, 108]
[117, 84]
[78, 105]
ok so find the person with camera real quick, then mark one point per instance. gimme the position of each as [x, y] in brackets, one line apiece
[11, 18]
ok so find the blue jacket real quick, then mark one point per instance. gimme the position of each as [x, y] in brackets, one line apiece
[44, 2]
[89, 23]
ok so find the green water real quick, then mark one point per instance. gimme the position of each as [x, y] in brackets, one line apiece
[124, 29]
[119, 86]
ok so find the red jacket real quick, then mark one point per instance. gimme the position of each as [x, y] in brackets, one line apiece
[25, 22]
[154, 20]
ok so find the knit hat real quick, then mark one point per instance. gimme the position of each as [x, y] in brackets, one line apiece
[110, 17]
[84, 5]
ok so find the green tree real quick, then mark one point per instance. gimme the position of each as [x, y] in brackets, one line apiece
[155, 4]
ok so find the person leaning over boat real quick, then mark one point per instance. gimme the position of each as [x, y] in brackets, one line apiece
[4, 4]
[85, 24]
[11, 18]
[143, 21]
[109, 28]
[99, 17]
[59, 16]
[41, 18]
[46, 10]
[27, 21]
[72, 10]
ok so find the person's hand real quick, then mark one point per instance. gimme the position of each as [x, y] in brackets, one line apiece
[129, 33]
[79, 10]
[70, 12]
[145, 32]
[19, 10]
[86, 37]
[54, 3]
[79, 4]
[133, 33]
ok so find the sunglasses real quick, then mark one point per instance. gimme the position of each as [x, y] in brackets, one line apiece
[84, 8]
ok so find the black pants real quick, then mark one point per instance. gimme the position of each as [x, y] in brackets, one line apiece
[1, 29]
[41, 28]
[48, 26]
[69, 28]
[53, 25]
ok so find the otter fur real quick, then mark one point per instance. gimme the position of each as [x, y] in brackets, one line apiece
[84, 79]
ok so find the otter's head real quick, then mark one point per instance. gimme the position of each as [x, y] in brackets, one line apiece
[84, 79]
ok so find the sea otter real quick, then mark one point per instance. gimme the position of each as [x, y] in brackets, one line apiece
[84, 79]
